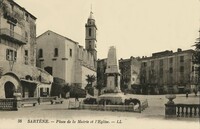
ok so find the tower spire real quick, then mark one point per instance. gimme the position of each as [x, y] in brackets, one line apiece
[91, 13]
[90, 8]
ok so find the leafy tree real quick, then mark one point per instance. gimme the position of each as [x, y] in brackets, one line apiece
[100, 85]
[65, 88]
[196, 59]
[197, 51]
[124, 83]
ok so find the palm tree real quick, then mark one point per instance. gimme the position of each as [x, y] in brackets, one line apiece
[90, 79]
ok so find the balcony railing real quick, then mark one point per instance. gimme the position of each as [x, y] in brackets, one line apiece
[12, 36]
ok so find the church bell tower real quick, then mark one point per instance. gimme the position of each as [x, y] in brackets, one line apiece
[90, 36]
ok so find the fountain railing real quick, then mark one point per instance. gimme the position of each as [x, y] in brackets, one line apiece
[108, 107]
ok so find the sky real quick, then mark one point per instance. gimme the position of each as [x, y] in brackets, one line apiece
[134, 27]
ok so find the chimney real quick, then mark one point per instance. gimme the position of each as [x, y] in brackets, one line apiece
[179, 50]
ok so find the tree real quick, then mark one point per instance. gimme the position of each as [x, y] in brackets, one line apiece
[100, 85]
[196, 59]
[124, 83]
[90, 79]
[65, 89]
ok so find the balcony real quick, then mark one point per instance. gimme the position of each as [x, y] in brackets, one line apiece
[10, 35]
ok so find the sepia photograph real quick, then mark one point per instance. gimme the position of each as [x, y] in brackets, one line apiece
[75, 64]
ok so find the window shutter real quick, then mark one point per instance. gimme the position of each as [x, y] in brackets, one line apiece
[7, 54]
[15, 56]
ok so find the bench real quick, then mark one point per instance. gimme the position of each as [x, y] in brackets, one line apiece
[57, 101]
[33, 103]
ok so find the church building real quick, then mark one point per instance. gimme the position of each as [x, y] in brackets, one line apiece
[65, 59]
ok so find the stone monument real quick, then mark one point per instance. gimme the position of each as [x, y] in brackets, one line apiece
[112, 93]
[112, 71]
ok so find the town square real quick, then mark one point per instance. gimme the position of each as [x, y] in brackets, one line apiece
[101, 64]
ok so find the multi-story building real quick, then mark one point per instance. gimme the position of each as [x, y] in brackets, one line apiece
[129, 69]
[130, 72]
[18, 73]
[101, 75]
[65, 59]
[101, 69]
[168, 70]
[163, 72]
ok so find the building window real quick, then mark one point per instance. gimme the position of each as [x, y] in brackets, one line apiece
[170, 60]
[26, 36]
[26, 52]
[26, 56]
[182, 69]
[1, 71]
[40, 53]
[26, 17]
[152, 63]
[70, 52]
[44, 92]
[11, 55]
[161, 62]
[12, 7]
[192, 68]
[161, 72]
[144, 64]
[56, 52]
[171, 70]
[90, 32]
[181, 58]
[90, 46]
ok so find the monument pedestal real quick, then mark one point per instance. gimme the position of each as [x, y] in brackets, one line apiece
[113, 83]
[112, 98]
[112, 92]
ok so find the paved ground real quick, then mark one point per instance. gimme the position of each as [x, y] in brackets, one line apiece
[154, 113]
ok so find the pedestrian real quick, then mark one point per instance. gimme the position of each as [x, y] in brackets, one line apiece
[39, 100]
[186, 94]
[195, 92]
[76, 98]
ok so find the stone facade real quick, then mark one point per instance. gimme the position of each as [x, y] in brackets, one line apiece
[167, 70]
[18, 52]
[101, 69]
[65, 59]
[163, 71]
[130, 71]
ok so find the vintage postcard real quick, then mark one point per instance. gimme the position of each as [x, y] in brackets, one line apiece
[99, 64]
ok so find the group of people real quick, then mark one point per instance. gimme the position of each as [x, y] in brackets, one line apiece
[195, 92]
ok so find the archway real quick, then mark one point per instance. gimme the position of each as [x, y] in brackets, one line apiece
[9, 88]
